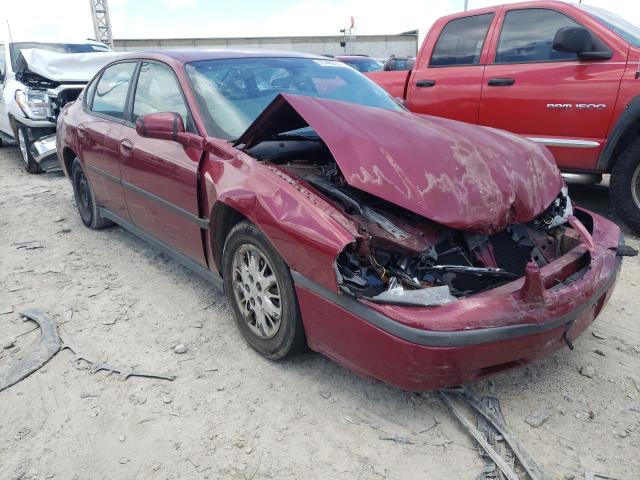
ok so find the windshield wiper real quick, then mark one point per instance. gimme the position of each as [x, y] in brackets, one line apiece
[293, 137]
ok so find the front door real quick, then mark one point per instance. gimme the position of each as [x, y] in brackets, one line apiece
[548, 95]
[448, 83]
[160, 177]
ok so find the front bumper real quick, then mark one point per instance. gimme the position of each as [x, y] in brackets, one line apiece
[427, 348]
[44, 152]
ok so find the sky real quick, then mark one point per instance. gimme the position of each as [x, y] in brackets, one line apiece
[70, 20]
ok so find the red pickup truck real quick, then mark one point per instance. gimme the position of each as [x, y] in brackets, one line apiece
[563, 75]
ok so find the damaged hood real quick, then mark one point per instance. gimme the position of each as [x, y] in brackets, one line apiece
[459, 175]
[64, 67]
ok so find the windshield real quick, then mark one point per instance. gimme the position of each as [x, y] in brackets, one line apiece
[233, 92]
[364, 65]
[16, 48]
[619, 25]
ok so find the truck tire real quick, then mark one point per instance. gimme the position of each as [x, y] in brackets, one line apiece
[24, 143]
[624, 186]
[86, 200]
[260, 289]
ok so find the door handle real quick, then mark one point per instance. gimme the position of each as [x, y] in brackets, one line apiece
[126, 147]
[425, 83]
[501, 82]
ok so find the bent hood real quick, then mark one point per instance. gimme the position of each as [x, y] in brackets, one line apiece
[64, 67]
[460, 175]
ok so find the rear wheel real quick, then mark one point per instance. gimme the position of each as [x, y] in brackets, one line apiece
[260, 289]
[24, 143]
[624, 186]
[86, 200]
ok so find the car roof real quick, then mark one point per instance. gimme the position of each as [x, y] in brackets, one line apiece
[354, 57]
[187, 56]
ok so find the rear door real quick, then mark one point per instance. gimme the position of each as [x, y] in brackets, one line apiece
[448, 82]
[99, 134]
[160, 177]
[547, 95]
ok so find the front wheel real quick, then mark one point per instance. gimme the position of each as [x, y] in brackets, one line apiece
[624, 186]
[24, 143]
[260, 289]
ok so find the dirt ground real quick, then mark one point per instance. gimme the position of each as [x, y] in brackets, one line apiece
[232, 414]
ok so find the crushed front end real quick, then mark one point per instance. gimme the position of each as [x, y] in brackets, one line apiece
[467, 260]
[424, 306]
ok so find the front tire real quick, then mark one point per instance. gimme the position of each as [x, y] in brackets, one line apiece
[24, 143]
[259, 287]
[86, 200]
[624, 186]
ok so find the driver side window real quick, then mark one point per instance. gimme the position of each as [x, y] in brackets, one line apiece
[527, 36]
[158, 91]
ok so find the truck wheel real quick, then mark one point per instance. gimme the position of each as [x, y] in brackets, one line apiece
[624, 186]
[24, 143]
[86, 200]
[259, 287]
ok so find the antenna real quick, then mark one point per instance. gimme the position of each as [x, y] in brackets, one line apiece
[101, 21]
[9, 28]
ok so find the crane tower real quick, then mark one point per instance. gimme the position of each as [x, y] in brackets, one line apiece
[101, 22]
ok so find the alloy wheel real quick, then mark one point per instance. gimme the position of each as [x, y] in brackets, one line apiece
[256, 291]
[22, 142]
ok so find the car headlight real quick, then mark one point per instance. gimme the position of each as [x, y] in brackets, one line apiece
[35, 105]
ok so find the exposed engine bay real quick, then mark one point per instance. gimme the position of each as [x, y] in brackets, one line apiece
[404, 258]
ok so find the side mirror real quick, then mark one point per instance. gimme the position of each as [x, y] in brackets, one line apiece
[578, 40]
[573, 40]
[167, 126]
[163, 126]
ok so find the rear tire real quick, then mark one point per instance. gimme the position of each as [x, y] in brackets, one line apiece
[624, 186]
[86, 200]
[260, 289]
[24, 143]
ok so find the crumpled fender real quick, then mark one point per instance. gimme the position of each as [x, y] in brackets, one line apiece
[307, 231]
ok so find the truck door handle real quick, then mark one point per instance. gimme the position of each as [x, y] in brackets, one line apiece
[501, 82]
[425, 83]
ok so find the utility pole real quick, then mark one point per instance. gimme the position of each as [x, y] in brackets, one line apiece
[466, 5]
[101, 22]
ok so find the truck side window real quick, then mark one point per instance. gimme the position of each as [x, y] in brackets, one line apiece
[527, 36]
[461, 41]
[158, 90]
[110, 97]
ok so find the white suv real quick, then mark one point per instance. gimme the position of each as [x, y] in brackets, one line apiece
[36, 81]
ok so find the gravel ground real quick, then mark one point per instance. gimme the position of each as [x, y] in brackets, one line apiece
[232, 414]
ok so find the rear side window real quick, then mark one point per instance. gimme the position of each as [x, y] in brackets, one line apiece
[527, 36]
[461, 41]
[110, 97]
[158, 90]
[90, 90]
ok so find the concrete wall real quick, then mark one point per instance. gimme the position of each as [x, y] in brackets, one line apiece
[378, 46]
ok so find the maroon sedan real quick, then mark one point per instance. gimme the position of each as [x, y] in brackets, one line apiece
[420, 251]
